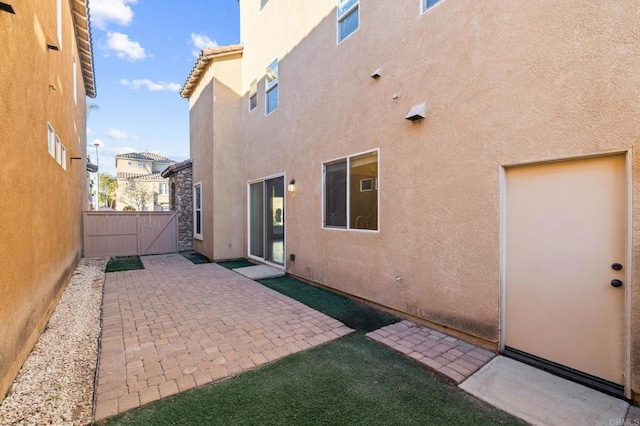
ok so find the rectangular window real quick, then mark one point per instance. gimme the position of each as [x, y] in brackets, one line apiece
[51, 140]
[58, 150]
[59, 22]
[129, 163]
[253, 95]
[272, 87]
[197, 211]
[351, 192]
[63, 156]
[75, 81]
[163, 189]
[348, 18]
[140, 164]
[428, 4]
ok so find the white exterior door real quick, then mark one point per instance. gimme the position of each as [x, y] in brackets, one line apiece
[565, 230]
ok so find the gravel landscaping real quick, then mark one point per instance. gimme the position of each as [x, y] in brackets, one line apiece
[55, 384]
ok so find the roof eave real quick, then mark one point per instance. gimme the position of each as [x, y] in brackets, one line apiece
[82, 27]
[204, 59]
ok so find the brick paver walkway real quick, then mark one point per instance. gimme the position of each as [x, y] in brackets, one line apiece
[176, 325]
[448, 355]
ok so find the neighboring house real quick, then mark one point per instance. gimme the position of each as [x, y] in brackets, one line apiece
[46, 73]
[181, 200]
[140, 184]
[504, 215]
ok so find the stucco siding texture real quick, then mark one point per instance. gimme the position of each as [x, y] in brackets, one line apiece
[227, 159]
[201, 148]
[505, 83]
[41, 207]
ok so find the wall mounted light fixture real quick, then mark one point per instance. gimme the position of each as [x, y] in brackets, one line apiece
[292, 185]
[417, 112]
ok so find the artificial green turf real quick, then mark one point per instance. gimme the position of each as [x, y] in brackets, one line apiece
[195, 257]
[235, 264]
[354, 314]
[352, 381]
[124, 263]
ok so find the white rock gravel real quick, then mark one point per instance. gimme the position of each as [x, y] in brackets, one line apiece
[55, 384]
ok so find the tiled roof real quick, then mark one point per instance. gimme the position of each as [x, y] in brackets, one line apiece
[148, 156]
[206, 56]
[138, 176]
[176, 167]
[82, 26]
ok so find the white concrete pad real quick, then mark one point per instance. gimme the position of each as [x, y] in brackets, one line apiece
[260, 272]
[541, 398]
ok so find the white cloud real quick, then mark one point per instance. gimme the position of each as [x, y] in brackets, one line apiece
[124, 47]
[201, 41]
[154, 86]
[105, 11]
[119, 134]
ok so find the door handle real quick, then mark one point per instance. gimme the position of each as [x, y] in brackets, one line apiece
[616, 283]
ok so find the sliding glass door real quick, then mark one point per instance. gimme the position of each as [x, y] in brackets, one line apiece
[266, 220]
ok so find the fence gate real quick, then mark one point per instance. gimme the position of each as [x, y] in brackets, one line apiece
[109, 233]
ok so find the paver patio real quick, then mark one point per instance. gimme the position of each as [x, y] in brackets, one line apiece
[450, 356]
[176, 325]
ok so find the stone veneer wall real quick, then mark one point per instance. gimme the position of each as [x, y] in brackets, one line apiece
[182, 202]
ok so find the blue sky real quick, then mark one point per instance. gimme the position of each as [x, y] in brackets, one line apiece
[143, 52]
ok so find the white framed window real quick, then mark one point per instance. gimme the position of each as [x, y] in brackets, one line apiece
[253, 95]
[197, 211]
[271, 87]
[427, 4]
[140, 164]
[350, 192]
[163, 188]
[59, 22]
[75, 81]
[63, 156]
[58, 150]
[129, 163]
[51, 140]
[348, 18]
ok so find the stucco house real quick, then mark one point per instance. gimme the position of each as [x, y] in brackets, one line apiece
[140, 184]
[47, 73]
[469, 165]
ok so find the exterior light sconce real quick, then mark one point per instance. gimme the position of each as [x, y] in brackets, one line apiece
[376, 74]
[417, 112]
[292, 186]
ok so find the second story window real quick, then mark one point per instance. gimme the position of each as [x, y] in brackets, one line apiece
[348, 18]
[140, 164]
[271, 87]
[428, 4]
[253, 95]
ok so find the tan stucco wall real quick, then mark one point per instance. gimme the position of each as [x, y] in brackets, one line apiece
[505, 83]
[40, 214]
[217, 157]
[201, 150]
[227, 160]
